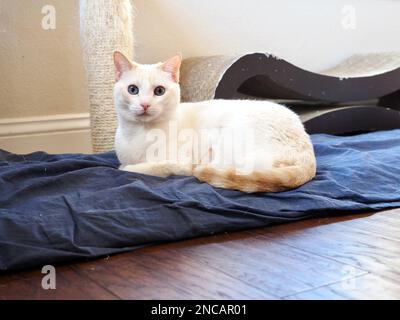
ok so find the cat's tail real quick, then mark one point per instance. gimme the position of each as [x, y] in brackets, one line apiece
[280, 177]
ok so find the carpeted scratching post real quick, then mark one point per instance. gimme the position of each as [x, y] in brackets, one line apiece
[106, 26]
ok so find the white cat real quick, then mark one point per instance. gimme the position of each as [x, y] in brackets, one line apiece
[237, 144]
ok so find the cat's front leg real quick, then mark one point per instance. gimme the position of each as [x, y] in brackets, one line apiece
[159, 169]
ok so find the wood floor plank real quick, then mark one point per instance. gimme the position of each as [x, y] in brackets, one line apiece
[370, 251]
[69, 285]
[385, 223]
[277, 269]
[364, 287]
[342, 257]
[158, 274]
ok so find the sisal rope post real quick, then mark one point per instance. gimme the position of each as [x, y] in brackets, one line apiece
[106, 26]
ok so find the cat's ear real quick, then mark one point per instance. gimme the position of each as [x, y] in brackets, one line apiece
[172, 66]
[122, 64]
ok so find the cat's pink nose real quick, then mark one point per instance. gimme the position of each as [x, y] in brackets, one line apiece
[145, 106]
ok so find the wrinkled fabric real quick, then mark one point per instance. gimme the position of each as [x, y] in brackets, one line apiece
[56, 208]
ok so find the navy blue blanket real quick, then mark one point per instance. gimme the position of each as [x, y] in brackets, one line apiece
[55, 208]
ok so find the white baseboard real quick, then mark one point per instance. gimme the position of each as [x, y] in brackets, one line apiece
[62, 133]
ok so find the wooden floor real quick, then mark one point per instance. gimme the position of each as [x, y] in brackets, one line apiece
[348, 257]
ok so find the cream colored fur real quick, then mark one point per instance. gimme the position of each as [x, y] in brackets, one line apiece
[276, 153]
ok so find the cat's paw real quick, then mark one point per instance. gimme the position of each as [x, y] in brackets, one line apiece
[143, 168]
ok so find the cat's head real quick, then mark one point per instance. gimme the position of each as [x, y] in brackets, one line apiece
[146, 93]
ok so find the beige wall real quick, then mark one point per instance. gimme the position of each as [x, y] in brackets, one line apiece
[41, 71]
[42, 74]
[313, 34]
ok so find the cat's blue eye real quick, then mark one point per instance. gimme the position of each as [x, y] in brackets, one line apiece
[132, 89]
[159, 91]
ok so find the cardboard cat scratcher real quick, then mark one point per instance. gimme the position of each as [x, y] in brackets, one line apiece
[360, 94]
